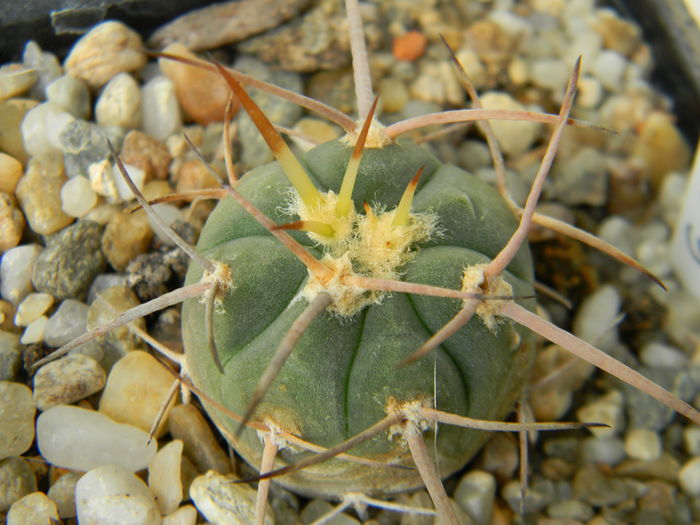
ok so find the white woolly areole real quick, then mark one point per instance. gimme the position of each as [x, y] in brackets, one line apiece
[377, 136]
[221, 282]
[488, 311]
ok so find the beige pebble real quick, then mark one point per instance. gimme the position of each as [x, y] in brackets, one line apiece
[67, 380]
[146, 153]
[164, 477]
[62, 492]
[34, 508]
[661, 146]
[102, 213]
[17, 415]
[316, 129]
[136, 388]
[193, 175]
[393, 94]
[187, 424]
[186, 515]
[12, 114]
[515, 138]
[202, 94]
[34, 333]
[10, 173]
[77, 196]
[11, 222]
[31, 307]
[119, 103]
[39, 194]
[618, 35]
[15, 79]
[126, 236]
[108, 49]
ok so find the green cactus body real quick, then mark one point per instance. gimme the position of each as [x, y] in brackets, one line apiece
[342, 374]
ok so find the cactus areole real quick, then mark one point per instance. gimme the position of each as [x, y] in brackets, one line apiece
[342, 376]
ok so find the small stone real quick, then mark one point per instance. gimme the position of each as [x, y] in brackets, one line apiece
[393, 94]
[80, 439]
[188, 425]
[11, 222]
[221, 501]
[104, 281]
[62, 492]
[661, 355]
[42, 126]
[126, 236]
[596, 319]
[33, 306]
[499, 456]
[661, 146]
[410, 46]
[119, 103]
[160, 109]
[16, 272]
[689, 477]
[550, 73]
[691, 440]
[39, 194]
[17, 416]
[70, 262]
[582, 178]
[317, 510]
[164, 477]
[67, 323]
[609, 68]
[147, 154]
[44, 63]
[71, 94]
[606, 450]
[34, 333]
[534, 499]
[77, 196]
[644, 444]
[108, 49]
[193, 175]
[33, 509]
[15, 80]
[515, 138]
[608, 409]
[12, 114]
[110, 494]
[186, 515]
[665, 468]
[10, 356]
[619, 35]
[475, 494]
[67, 380]
[17, 479]
[136, 388]
[594, 487]
[589, 92]
[10, 173]
[202, 94]
[317, 129]
[85, 143]
[570, 510]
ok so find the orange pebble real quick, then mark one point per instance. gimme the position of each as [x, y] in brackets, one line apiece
[410, 46]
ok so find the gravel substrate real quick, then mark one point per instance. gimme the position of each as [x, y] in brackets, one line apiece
[68, 234]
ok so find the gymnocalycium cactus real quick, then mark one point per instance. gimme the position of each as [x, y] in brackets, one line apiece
[320, 278]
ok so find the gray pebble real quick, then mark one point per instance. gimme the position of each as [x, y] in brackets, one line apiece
[570, 509]
[160, 111]
[17, 479]
[582, 178]
[85, 143]
[104, 281]
[16, 272]
[67, 380]
[62, 492]
[10, 356]
[67, 323]
[607, 450]
[475, 495]
[46, 64]
[17, 417]
[71, 94]
[70, 262]
[591, 485]
[534, 499]
[644, 412]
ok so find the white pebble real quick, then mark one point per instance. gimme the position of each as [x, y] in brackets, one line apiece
[160, 109]
[31, 307]
[515, 138]
[589, 92]
[34, 333]
[77, 196]
[552, 74]
[112, 495]
[120, 103]
[608, 409]
[609, 67]
[164, 477]
[137, 175]
[80, 439]
[642, 443]
[689, 477]
[619, 232]
[660, 355]
[596, 319]
[169, 214]
[33, 509]
[691, 439]
[68, 322]
[16, 272]
[186, 515]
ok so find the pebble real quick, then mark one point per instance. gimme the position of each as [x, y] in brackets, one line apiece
[608, 450]
[17, 479]
[70, 262]
[664, 468]
[164, 477]
[16, 272]
[119, 104]
[17, 416]
[691, 440]
[111, 494]
[643, 444]
[689, 477]
[317, 129]
[317, 509]
[10, 173]
[15, 79]
[106, 50]
[596, 319]
[77, 196]
[42, 126]
[661, 146]
[202, 94]
[44, 63]
[62, 492]
[571, 510]
[67, 323]
[655, 354]
[608, 409]
[136, 388]
[515, 138]
[160, 109]
[67, 380]
[12, 114]
[582, 178]
[71, 94]
[550, 73]
[499, 456]
[193, 175]
[39, 194]
[10, 356]
[146, 153]
[593, 486]
[221, 501]
[126, 236]
[618, 35]
[187, 424]
[410, 46]
[535, 500]
[80, 439]
[609, 68]
[11, 222]
[186, 515]
[34, 333]
[33, 509]
[85, 143]
[475, 494]
[589, 92]
[31, 307]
